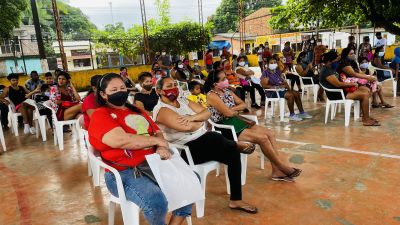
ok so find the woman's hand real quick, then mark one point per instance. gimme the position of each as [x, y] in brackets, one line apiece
[163, 152]
[184, 120]
[160, 142]
[371, 78]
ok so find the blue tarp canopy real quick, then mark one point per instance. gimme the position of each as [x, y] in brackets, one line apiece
[219, 45]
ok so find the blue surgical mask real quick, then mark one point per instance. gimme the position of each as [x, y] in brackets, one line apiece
[335, 65]
[381, 54]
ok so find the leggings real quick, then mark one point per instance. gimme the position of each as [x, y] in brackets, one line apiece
[260, 91]
[4, 114]
[242, 93]
[212, 146]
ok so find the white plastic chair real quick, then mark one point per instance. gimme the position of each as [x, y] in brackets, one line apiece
[3, 143]
[58, 127]
[130, 211]
[393, 79]
[202, 170]
[13, 117]
[306, 87]
[40, 120]
[94, 168]
[331, 105]
[277, 100]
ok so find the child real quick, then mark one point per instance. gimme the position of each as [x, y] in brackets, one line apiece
[196, 95]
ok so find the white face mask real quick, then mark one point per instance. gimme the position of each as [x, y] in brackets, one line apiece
[273, 66]
[180, 66]
[381, 54]
[242, 63]
[196, 64]
[163, 53]
[364, 65]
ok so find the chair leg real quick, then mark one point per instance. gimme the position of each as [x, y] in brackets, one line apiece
[327, 107]
[347, 111]
[262, 160]
[14, 124]
[189, 220]
[96, 174]
[356, 110]
[266, 109]
[60, 137]
[37, 128]
[394, 87]
[111, 213]
[282, 109]
[42, 127]
[272, 108]
[89, 165]
[243, 158]
[3, 143]
[315, 90]
[333, 110]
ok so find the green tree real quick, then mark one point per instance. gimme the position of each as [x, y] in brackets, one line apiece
[226, 18]
[10, 16]
[337, 13]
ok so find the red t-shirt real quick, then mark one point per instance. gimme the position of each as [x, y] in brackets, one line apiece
[209, 59]
[88, 103]
[266, 54]
[105, 119]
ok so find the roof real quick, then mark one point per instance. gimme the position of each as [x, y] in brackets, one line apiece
[236, 35]
[259, 13]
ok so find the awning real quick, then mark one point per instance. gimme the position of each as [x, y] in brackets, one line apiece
[219, 45]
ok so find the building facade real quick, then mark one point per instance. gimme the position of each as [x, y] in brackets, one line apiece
[80, 55]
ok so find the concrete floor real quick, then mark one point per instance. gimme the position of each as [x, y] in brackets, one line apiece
[350, 177]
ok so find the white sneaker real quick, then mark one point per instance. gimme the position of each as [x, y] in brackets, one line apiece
[26, 128]
[295, 118]
[304, 115]
[32, 130]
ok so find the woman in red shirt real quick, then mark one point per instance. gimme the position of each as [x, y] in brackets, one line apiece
[89, 104]
[124, 134]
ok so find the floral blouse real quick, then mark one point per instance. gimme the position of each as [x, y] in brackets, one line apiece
[228, 100]
[55, 95]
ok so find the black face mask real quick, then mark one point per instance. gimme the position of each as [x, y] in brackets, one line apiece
[118, 98]
[147, 87]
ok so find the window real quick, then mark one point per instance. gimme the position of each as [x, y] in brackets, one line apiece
[338, 43]
[276, 48]
[82, 62]
[7, 46]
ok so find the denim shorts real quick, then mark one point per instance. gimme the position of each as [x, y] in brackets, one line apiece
[272, 94]
[146, 194]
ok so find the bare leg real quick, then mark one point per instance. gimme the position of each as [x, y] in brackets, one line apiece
[23, 109]
[290, 101]
[297, 99]
[71, 112]
[362, 95]
[176, 220]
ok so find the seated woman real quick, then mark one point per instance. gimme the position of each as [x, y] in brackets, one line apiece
[272, 79]
[147, 98]
[64, 98]
[183, 122]
[238, 83]
[250, 77]
[180, 72]
[127, 80]
[17, 95]
[89, 104]
[364, 69]
[306, 69]
[123, 134]
[293, 78]
[329, 78]
[224, 105]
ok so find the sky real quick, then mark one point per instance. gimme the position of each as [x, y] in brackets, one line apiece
[128, 11]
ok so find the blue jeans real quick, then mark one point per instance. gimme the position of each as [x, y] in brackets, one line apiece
[146, 194]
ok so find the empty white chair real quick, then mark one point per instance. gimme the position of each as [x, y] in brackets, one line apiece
[94, 168]
[58, 127]
[130, 211]
[307, 87]
[393, 79]
[13, 117]
[276, 100]
[40, 120]
[332, 103]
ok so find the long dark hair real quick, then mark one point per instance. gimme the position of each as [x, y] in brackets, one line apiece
[211, 80]
[101, 87]
[93, 83]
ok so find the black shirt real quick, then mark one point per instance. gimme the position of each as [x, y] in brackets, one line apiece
[148, 100]
[16, 96]
[326, 72]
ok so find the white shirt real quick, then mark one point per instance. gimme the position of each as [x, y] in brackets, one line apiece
[253, 78]
[381, 42]
[259, 55]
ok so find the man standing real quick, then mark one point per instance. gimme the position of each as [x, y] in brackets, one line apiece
[34, 82]
[165, 62]
[260, 57]
[380, 41]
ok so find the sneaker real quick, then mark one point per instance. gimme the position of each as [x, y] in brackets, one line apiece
[32, 130]
[255, 106]
[295, 118]
[304, 115]
[26, 129]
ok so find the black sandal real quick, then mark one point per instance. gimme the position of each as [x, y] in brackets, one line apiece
[295, 173]
[248, 150]
[245, 209]
[387, 106]
[283, 178]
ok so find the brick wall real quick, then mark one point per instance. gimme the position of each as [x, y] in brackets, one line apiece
[257, 23]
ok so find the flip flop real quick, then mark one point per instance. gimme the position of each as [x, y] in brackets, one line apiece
[376, 106]
[374, 124]
[282, 178]
[387, 106]
[244, 209]
[248, 150]
[295, 173]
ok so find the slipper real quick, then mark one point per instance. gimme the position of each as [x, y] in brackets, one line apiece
[295, 173]
[376, 105]
[248, 150]
[387, 106]
[283, 178]
[244, 209]
[374, 124]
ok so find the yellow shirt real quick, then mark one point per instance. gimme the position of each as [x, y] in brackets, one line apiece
[201, 99]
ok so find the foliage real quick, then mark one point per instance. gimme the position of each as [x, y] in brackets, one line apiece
[337, 13]
[226, 18]
[74, 24]
[10, 16]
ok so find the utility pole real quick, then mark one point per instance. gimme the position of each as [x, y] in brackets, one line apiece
[38, 32]
[111, 12]
[145, 32]
[201, 23]
[59, 34]
[242, 22]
